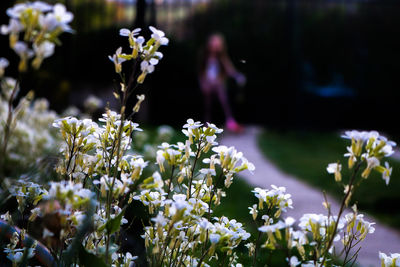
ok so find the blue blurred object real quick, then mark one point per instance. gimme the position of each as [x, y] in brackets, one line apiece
[336, 88]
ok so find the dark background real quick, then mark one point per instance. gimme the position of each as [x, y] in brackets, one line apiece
[314, 64]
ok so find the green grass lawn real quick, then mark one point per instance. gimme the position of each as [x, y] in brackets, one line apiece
[306, 156]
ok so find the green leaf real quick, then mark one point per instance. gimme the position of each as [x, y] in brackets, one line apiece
[113, 224]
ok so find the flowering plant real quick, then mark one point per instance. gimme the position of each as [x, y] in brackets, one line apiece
[78, 216]
[312, 242]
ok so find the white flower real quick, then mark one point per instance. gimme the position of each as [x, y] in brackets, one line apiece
[260, 193]
[3, 64]
[156, 58]
[390, 261]
[208, 172]
[146, 66]
[180, 202]
[289, 221]
[272, 227]
[214, 238]
[293, 261]
[14, 26]
[159, 36]
[191, 124]
[204, 224]
[22, 50]
[127, 32]
[387, 172]
[160, 219]
[44, 50]
[15, 11]
[139, 41]
[117, 60]
[246, 165]
[253, 211]
[276, 196]
[372, 162]
[363, 136]
[49, 21]
[41, 6]
[153, 61]
[139, 163]
[63, 16]
[335, 168]
[160, 160]
[387, 150]
[214, 127]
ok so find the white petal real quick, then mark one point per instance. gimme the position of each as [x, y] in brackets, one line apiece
[124, 32]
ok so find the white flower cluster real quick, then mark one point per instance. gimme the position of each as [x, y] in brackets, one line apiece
[66, 200]
[356, 228]
[369, 147]
[313, 230]
[68, 192]
[90, 158]
[90, 148]
[275, 198]
[182, 222]
[320, 226]
[145, 51]
[123, 260]
[27, 192]
[14, 254]
[41, 24]
[32, 139]
[183, 204]
[390, 261]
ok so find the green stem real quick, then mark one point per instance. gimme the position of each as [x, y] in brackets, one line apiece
[7, 130]
[170, 180]
[256, 249]
[342, 208]
[202, 257]
[71, 155]
[193, 167]
[118, 144]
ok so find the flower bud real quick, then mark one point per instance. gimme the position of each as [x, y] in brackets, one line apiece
[23, 65]
[37, 61]
[141, 77]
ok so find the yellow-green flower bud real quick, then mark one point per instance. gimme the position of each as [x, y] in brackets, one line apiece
[141, 77]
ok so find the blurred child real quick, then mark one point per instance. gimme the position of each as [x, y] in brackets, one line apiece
[215, 68]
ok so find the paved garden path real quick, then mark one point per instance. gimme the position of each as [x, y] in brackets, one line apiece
[306, 199]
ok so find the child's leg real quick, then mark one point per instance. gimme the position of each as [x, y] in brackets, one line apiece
[207, 91]
[231, 123]
[207, 95]
[223, 99]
